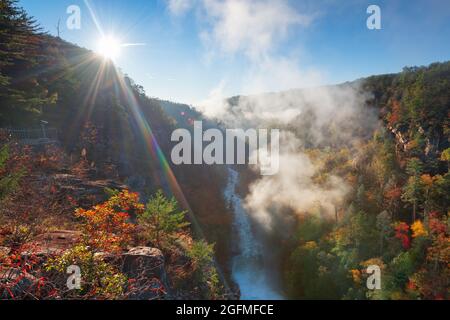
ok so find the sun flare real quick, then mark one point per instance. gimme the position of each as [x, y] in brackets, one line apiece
[109, 47]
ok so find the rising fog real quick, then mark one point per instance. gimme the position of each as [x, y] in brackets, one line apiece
[318, 116]
[311, 118]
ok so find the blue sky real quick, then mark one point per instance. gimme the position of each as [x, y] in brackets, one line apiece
[198, 49]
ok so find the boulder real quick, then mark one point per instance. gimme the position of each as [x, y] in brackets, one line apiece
[145, 267]
[55, 242]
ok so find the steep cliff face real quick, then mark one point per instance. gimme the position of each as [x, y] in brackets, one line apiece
[415, 109]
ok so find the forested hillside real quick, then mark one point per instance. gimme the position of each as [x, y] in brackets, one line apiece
[396, 213]
[364, 182]
[111, 136]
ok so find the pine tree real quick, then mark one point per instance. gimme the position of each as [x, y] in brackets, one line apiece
[162, 218]
[412, 191]
[21, 94]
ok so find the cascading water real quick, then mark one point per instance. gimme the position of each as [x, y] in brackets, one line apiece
[248, 269]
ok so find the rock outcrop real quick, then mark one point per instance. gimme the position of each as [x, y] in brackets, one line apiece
[87, 192]
[54, 242]
[146, 267]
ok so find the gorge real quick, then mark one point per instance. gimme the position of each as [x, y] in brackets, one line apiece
[249, 270]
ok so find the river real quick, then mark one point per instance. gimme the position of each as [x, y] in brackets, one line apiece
[249, 269]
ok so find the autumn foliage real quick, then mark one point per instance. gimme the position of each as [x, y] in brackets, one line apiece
[107, 226]
[394, 116]
[402, 233]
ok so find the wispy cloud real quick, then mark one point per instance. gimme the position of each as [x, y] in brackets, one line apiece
[255, 30]
[179, 7]
[249, 26]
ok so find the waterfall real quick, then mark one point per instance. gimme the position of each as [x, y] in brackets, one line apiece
[248, 268]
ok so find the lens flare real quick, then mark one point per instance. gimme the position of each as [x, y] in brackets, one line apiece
[109, 47]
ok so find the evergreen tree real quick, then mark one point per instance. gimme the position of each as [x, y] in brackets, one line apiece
[161, 217]
[21, 94]
[412, 192]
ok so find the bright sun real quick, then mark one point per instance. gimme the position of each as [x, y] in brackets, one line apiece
[109, 47]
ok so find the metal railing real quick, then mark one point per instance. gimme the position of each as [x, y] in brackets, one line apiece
[32, 136]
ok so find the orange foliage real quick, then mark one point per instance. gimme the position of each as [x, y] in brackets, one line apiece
[418, 229]
[370, 196]
[356, 275]
[394, 117]
[107, 225]
[440, 250]
[431, 280]
[427, 180]
[393, 193]
[437, 227]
